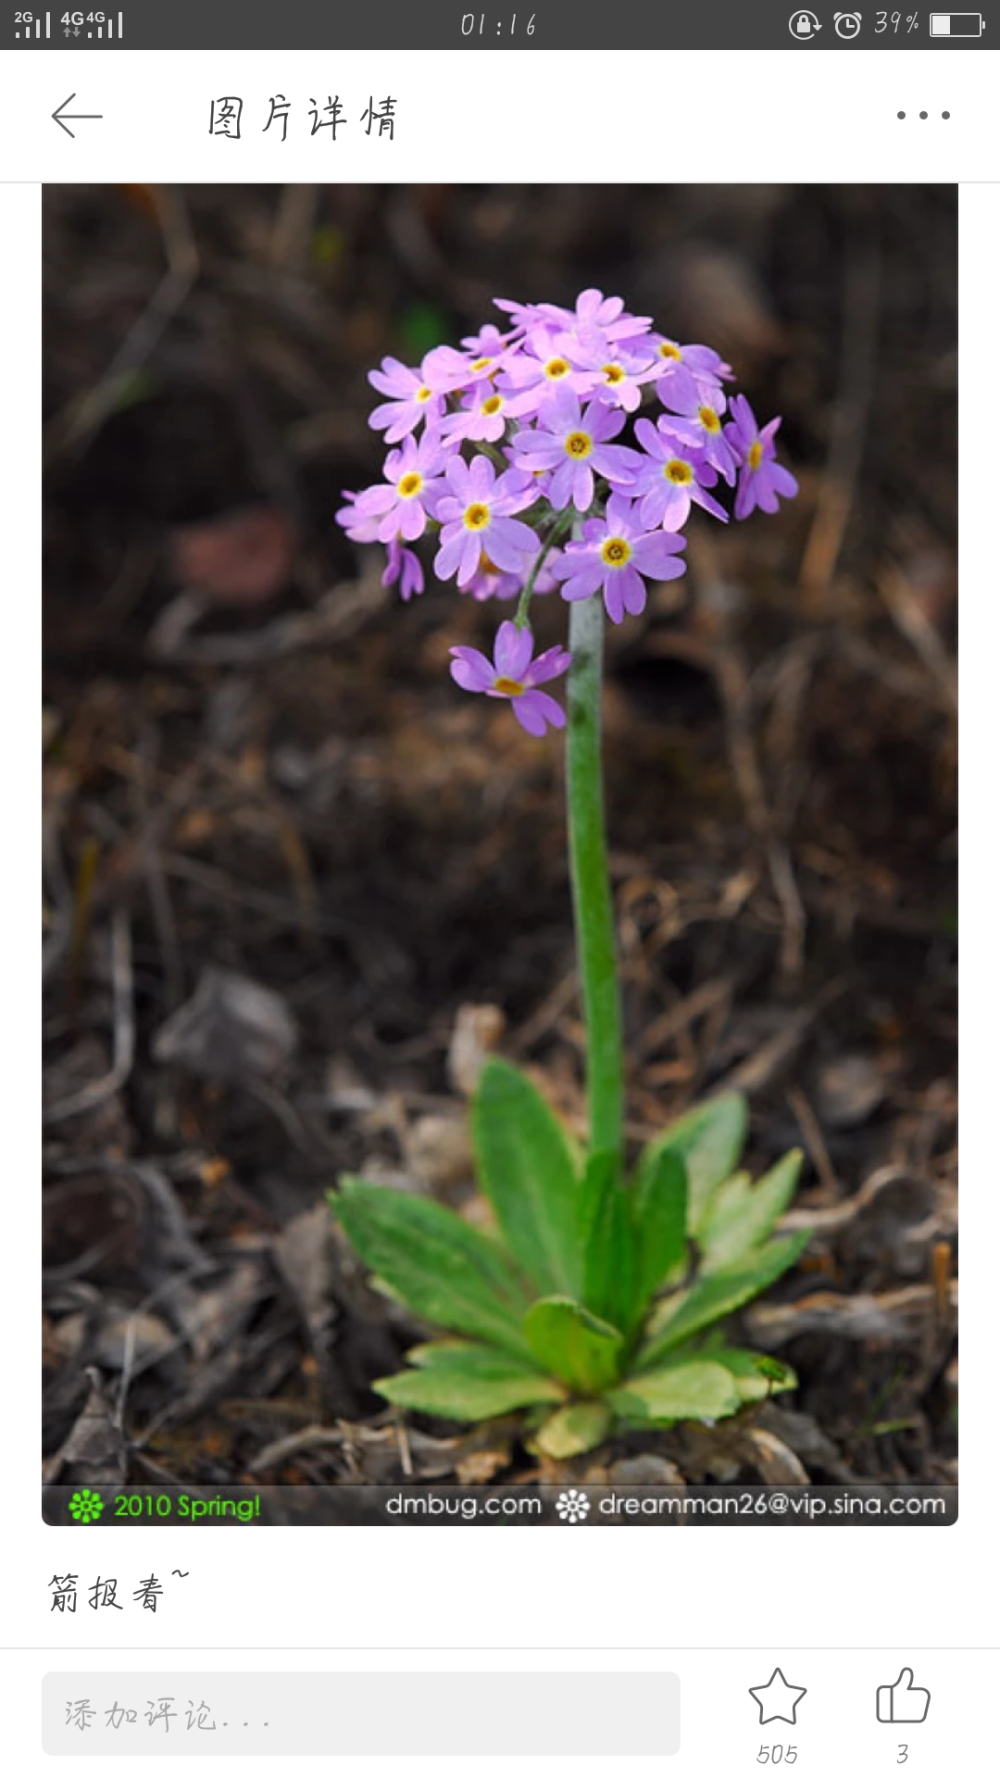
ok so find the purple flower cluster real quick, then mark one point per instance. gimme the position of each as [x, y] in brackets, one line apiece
[509, 451]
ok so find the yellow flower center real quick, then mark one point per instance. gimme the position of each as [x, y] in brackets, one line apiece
[669, 350]
[579, 445]
[556, 368]
[423, 393]
[678, 472]
[612, 373]
[409, 484]
[615, 552]
[476, 517]
[511, 688]
[709, 419]
[755, 454]
[485, 565]
[479, 364]
[491, 405]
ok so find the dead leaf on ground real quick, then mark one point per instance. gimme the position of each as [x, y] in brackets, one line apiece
[231, 1027]
[240, 558]
[439, 1151]
[645, 1471]
[302, 1252]
[94, 1453]
[849, 1089]
[895, 1317]
[479, 1467]
[478, 1030]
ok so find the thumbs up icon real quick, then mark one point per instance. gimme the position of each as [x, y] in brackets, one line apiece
[902, 1702]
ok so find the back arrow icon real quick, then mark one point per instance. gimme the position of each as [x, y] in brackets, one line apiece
[60, 114]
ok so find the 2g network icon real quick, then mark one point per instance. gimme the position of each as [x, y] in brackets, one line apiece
[847, 24]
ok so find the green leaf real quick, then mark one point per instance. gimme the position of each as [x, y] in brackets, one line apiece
[573, 1344]
[742, 1215]
[709, 1140]
[659, 1209]
[571, 1430]
[608, 1243]
[446, 1272]
[720, 1294]
[466, 1382]
[755, 1375]
[528, 1173]
[694, 1389]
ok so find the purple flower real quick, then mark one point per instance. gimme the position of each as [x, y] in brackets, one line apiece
[403, 566]
[670, 479]
[513, 674]
[449, 370]
[597, 317]
[359, 529]
[527, 316]
[698, 423]
[412, 399]
[490, 582]
[544, 395]
[405, 500]
[489, 342]
[475, 517]
[483, 416]
[693, 373]
[621, 373]
[534, 373]
[762, 478]
[614, 554]
[573, 444]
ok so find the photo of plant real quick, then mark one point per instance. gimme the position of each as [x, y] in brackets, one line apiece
[499, 841]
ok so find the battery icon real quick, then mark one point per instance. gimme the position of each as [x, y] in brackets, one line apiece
[957, 24]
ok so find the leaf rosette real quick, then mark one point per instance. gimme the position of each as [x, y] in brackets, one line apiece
[599, 1301]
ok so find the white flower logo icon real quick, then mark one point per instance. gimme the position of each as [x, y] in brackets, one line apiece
[572, 1506]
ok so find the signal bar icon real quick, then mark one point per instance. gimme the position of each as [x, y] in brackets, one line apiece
[76, 25]
[104, 25]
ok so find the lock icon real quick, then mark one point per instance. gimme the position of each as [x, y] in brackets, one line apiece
[803, 25]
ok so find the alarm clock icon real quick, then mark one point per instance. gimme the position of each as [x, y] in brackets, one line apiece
[847, 24]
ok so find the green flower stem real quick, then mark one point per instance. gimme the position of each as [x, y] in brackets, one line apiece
[555, 536]
[588, 858]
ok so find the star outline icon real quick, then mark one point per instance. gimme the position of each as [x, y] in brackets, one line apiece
[784, 1703]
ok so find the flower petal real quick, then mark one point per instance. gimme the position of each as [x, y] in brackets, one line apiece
[471, 670]
[534, 709]
[513, 650]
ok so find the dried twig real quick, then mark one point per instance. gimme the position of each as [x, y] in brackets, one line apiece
[859, 332]
[101, 1090]
[82, 417]
[913, 623]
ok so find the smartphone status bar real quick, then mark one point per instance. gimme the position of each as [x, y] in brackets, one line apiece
[727, 25]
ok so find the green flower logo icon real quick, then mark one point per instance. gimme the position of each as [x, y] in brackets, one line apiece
[86, 1506]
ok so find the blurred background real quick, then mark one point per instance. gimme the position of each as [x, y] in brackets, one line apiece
[296, 883]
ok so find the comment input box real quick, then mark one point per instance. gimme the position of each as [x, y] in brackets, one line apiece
[613, 1715]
